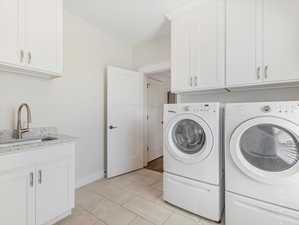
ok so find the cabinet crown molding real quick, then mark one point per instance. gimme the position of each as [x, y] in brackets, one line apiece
[181, 10]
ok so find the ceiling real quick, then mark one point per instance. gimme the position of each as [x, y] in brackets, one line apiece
[134, 21]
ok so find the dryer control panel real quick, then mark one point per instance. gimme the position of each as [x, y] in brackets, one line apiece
[200, 108]
[265, 108]
[280, 108]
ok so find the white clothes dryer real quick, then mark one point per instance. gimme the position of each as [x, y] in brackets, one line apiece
[262, 163]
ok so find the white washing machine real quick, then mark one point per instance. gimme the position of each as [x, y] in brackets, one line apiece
[262, 163]
[193, 158]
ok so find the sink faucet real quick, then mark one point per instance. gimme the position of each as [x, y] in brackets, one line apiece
[21, 130]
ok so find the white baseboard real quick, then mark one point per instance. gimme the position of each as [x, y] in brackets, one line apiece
[89, 179]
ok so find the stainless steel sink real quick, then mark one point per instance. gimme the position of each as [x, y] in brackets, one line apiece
[17, 142]
[49, 139]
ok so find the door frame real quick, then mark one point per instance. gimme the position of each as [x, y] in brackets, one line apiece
[162, 85]
[147, 70]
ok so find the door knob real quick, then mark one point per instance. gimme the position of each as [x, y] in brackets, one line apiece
[112, 127]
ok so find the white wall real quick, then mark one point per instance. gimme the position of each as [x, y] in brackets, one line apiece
[151, 52]
[164, 77]
[74, 103]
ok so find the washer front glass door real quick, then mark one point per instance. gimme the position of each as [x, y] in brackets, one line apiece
[188, 136]
[270, 147]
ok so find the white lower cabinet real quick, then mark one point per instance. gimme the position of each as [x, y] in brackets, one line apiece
[37, 187]
[52, 190]
[17, 195]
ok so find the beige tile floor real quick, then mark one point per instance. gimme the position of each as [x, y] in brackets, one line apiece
[131, 199]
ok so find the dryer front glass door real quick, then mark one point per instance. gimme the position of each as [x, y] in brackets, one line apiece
[267, 149]
[188, 136]
[270, 147]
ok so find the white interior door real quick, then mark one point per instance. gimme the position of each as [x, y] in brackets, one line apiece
[156, 98]
[124, 121]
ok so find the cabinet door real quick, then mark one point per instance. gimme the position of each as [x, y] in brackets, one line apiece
[9, 26]
[53, 190]
[180, 54]
[43, 35]
[244, 51]
[281, 35]
[207, 45]
[17, 197]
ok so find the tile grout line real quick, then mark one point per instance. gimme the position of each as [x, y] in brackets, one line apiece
[90, 213]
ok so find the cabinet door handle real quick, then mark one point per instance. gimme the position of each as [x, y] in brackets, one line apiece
[258, 73]
[191, 81]
[266, 71]
[21, 56]
[195, 80]
[29, 57]
[40, 177]
[31, 179]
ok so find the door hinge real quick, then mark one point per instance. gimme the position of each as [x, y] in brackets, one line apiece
[147, 85]
[147, 148]
[147, 117]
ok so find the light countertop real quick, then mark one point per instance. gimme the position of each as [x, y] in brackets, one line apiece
[32, 146]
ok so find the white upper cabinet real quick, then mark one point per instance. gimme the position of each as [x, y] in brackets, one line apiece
[9, 25]
[262, 42]
[32, 40]
[180, 55]
[243, 57]
[43, 35]
[281, 40]
[198, 46]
